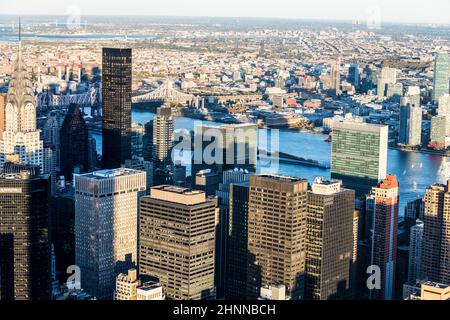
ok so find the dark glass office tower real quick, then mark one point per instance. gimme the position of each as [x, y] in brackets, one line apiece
[237, 250]
[74, 143]
[116, 91]
[24, 238]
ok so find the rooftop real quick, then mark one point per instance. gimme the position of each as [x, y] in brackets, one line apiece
[358, 126]
[389, 183]
[110, 173]
[177, 190]
[179, 195]
[280, 177]
[435, 285]
[148, 286]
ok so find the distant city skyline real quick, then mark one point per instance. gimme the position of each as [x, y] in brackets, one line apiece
[372, 11]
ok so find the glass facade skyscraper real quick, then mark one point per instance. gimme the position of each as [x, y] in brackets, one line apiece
[74, 143]
[441, 75]
[359, 154]
[24, 234]
[116, 92]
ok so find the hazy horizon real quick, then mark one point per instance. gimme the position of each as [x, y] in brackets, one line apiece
[382, 11]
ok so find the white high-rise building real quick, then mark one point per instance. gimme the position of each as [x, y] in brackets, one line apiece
[415, 253]
[444, 110]
[410, 132]
[106, 226]
[21, 141]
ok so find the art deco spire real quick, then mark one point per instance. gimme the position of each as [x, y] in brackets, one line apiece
[20, 92]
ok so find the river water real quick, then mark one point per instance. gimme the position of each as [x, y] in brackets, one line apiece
[415, 171]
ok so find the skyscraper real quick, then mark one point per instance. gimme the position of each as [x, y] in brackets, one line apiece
[163, 137]
[383, 204]
[436, 234]
[438, 132]
[106, 226]
[116, 92]
[359, 155]
[237, 261]
[444, 111]
[410, 132]
[354, 76]
[228, 239]
[177, 230]
[329, 241]
[387, 76]
[441, 75]
[51, 132]
[147, 141]
[21, 141]
[24, 234]
[74, 143]
[277, 231]
[415, 253]
[336, 76]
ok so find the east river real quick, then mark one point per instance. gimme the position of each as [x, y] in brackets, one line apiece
[415, 171]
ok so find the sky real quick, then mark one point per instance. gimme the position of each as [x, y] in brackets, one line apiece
[418, 11]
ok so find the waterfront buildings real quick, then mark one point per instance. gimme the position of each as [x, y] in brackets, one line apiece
[438, 132]
[441, 75]
[106, 226]
[177, 241]
[444, 110]
[436, 235]
[410, 131]
[359, 154]
[277, 215]
[116, 93]
[329, 241]
[382, 205]
[24, 234]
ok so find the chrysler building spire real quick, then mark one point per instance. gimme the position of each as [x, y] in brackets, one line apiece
[21, 140]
